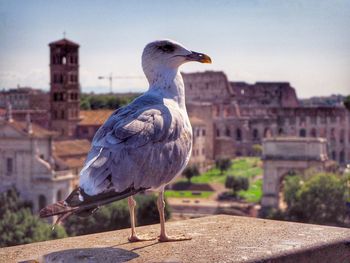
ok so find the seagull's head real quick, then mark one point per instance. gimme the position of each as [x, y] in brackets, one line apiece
[163, 55]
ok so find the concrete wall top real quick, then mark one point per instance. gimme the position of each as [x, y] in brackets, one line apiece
[214, 239]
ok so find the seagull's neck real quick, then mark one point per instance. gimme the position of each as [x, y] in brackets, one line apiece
[169, 84]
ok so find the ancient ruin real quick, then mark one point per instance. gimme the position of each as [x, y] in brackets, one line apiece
[287, 155]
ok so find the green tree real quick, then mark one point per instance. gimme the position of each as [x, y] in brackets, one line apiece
[223, 164]
[98, 102]
[190, 172]
[113, 102]
[319, 199]
[236, 184]
[257, 149]
[85, 104]
[292, 184]
[229, 182]
[19, 226]
[110, 217]
[105, 101]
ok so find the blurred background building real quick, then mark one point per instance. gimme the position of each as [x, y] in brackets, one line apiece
[44, 137]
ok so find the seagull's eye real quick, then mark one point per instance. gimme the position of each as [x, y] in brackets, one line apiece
[167, 48]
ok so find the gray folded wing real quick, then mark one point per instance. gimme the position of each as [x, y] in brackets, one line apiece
[144, 144]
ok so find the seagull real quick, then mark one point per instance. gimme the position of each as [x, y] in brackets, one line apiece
[142, 146]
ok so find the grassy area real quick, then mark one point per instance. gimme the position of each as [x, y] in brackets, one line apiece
[248, 167]
[245, 167]
[187, 194]
[254, 193]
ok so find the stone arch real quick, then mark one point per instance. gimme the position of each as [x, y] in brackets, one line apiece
[42, 201]
[332, 135]
[342, 136]
[313, 132]
[227, 132]
[238, 134]
[280, 131]
[256, 136]
[334, 155]
[267, 132]
[285, 172]
[333, 132]
[342, 157]
[302, 132]
[302, 154]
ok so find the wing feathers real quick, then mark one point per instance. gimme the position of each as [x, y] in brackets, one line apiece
[143, 146]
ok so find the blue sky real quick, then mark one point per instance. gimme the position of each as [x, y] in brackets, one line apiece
[304, 42]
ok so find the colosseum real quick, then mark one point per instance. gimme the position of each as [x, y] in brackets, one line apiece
[238, 115]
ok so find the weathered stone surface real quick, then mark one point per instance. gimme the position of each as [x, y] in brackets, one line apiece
[214, 239]
[295, 148]
[282, 155]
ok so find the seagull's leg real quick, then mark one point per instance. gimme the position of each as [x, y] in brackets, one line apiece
[134, 237]
[163, 237]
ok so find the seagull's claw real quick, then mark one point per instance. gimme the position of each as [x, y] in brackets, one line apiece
[136, 238]
[166, 238]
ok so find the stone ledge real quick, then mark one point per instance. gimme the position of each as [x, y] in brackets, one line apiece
[218, 238]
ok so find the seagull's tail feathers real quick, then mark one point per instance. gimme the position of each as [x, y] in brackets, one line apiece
[81, 204]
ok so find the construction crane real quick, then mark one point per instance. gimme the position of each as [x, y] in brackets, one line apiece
[110, 78]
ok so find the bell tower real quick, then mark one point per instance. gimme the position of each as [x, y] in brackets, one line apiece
[64, 87]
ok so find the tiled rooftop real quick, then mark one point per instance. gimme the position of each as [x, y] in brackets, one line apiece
[94, 117]
[72, 152]
[71, 147]
[38, 131]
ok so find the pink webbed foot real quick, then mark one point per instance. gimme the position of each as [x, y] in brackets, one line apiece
[166, 238]
[136, 238]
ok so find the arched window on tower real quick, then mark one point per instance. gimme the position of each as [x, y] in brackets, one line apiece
[313, 132]
[267, 133]
[238, 134]
[227, 132]
[256, 135]
[42, 201]
[332, 133]
[342, 157]
[302, 133]
[280, 131]
[342, 136]
[334, 155]
[217, 132]
[333, 139]
[64, 60]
